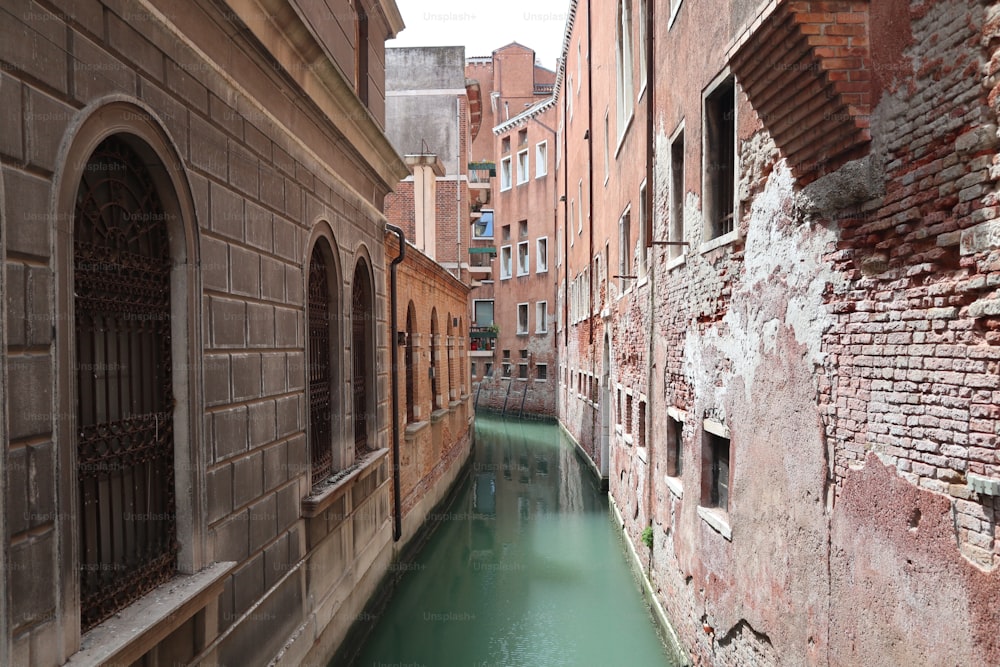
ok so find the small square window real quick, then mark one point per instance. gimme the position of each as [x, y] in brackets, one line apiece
[506, 354]
[524, 353]
[541, 371]
[522, 229]
[505, 233]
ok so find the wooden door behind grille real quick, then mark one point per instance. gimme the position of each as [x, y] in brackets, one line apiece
[125, 448]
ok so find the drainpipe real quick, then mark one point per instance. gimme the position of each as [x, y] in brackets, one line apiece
[590, 180]
[458, 187]
[566, 220]
[397, 512]
[648, 236]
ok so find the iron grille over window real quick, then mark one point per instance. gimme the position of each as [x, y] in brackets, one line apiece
[362, 334]
[125, 445]
[320, 384]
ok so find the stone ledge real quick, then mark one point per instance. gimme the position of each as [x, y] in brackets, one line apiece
[413, 428]
[719, 241]
[675, 485]
[130, 634]
[717, 519]
[438, 415]
[316, 503]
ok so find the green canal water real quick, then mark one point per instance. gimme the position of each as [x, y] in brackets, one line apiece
[525, 568]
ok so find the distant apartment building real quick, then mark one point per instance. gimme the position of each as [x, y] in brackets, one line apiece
[513, 308]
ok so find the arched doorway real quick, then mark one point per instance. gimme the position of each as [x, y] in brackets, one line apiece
[125, 455]
[363, 356]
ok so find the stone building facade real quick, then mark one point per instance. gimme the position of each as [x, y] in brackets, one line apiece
[195, 403]
[796, 392]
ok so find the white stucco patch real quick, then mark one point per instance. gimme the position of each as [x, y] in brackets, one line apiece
[782, 283]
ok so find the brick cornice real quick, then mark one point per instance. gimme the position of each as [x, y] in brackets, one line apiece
[805, 66]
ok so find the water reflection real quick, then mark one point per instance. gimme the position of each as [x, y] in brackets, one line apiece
[524, 569]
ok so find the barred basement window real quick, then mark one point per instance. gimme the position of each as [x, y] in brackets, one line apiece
[720, 155]
[542, 371]
[125, 447]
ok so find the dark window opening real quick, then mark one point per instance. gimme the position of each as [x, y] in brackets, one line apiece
[125, 446]
[677, 195]
[363, 367]
[675, 447]
[720, 171]
[716, 475]
[320, 377]
[411, 358]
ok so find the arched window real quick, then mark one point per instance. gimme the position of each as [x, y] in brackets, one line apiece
[411, 370]
[434, 360]
[321, 310]
[124, 438]
[363, 354]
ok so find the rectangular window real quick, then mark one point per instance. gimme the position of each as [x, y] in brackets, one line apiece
[542, 255]
[579, 212]
[506, 179]
[473, 370]
[522, 167]
[715, 475]
[489, 369]
[505, 144]
[541, 159]
[483, 227]
[676, 233]
[506, 355]
[522, 138]
[522, 318]
[506, 369]
[522, 229]
[541, 316]
[541, 371]
[522, 371]
[506, 262]
[505, 233]
[641, 435]
[483, 311]
[523, 352]
[624, 247]
[572, 214]
[720, 159]
[522, 258]
[643, 231]
[675, 447]
[628, 413]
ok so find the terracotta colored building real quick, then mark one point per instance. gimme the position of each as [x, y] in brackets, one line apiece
[779, 318]
[513, 310]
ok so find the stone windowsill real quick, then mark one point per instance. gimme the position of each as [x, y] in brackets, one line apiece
[454, 405]
[719, 241]
[413, 428]
[717, 519]
[319, 501]
[642, 454]
[130, 634]
[675, 485]
[680, 260]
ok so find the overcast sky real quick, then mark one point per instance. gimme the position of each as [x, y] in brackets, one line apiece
[484, 26]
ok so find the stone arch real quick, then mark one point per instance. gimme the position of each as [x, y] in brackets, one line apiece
[137, 127]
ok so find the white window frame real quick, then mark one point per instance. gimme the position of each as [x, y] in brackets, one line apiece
[711, 240]
[523, 169]
[540, 265]
[624, 251]
[508, 265]
[541, 159]
[675, 6]
[623, 67]
[579, 211]
[676, 231]
[527, 259]
[506, 176]
[527, 323]
[475, 223]
[541, 317]
[475, 320]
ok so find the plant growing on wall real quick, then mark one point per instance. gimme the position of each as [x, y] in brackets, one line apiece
[647, 537]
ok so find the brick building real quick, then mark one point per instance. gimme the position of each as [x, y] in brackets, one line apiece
[779, 317]
[513, 309]
[195, 415]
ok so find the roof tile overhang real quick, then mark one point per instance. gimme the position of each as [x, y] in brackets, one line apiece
[805, 66]
[475, 95]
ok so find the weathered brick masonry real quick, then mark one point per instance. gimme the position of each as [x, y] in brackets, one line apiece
[843, 338]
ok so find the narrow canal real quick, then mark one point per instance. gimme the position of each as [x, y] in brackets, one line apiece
[525, 568]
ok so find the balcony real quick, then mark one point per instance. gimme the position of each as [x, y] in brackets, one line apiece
[483, 340]
[480, 173]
